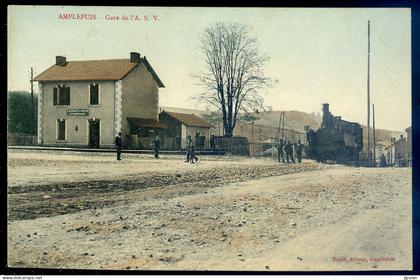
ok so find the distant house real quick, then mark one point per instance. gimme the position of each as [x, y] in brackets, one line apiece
[409, 146]
[379, 151]
[180, 125]
[86, 103]
[397, 153]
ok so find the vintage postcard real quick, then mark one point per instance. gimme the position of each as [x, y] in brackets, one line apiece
[217, 139]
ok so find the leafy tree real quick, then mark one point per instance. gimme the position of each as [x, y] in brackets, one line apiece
[19, 112]
[248, 117]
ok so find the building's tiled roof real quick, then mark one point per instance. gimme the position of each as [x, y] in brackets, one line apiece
[146, 123]
[395, 143]
[94, 70]
[189, 119]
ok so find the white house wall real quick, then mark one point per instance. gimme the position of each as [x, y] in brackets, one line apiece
[118, 107]
[79, 99]
[183, 136]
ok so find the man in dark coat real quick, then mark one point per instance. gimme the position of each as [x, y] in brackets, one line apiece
[189, 145]
[156, 145]
[192, 155]
[280, 153]
[118, 145]
[212, 143]
[197, 139]
[203, 141]
[299, 150]
[288, 148]
[383, 161]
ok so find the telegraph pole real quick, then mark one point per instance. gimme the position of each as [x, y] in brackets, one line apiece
[282, 126]
[278, 131]
[374, 138]
[368, 97]
[33, 125]
[252, 137]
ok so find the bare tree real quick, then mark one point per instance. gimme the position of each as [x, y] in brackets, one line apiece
[233, 74]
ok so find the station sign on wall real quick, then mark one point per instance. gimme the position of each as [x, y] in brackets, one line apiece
[77, 112]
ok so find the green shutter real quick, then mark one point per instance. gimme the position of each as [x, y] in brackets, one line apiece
[55, 96]
[67, 91]
[94, 94]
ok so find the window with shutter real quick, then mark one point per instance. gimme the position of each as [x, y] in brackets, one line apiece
[61, 95]
[94, 94]
[67, 95]
[55, 97]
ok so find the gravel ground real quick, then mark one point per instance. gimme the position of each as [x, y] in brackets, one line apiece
[29, 168]
[221, 214]
[51, 183]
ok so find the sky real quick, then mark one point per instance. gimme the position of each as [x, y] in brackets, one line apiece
[317, 55]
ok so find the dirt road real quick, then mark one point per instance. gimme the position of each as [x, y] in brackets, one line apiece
[221, 214]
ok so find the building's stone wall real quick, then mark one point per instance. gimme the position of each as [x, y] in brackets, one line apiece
[40, 119]
[118, 107]
[140, 96]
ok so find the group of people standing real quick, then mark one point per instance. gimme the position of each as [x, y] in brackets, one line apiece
[191, 156]
[288, 148]
[200, 140]
[285, 150]
[118, 145]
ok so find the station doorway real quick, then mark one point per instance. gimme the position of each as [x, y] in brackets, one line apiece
[94, 133]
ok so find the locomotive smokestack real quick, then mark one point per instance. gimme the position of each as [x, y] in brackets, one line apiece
[326, 117]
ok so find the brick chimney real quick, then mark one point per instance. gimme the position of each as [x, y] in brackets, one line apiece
[60, 60]
[134, 57]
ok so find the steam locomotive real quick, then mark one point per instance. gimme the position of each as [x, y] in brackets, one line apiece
[336, 140]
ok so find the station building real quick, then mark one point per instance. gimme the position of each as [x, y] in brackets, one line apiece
[180, 125]
[86, 103]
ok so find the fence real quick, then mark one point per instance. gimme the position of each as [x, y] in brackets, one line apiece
[18, 139]
[166, 143]
[146, 143]
[234, 145]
